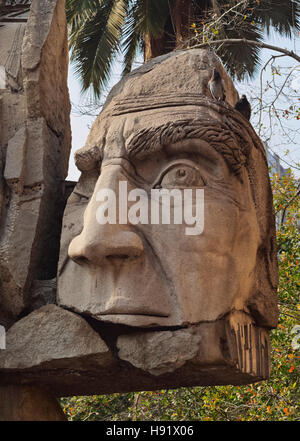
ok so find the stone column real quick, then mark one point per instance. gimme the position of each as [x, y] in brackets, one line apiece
[35, 141]
[26, 403]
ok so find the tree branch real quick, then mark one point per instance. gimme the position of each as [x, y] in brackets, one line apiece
[288, 204]
[261, 108]
[250, 43]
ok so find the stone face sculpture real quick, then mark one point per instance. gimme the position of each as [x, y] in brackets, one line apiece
[144, 304]
[160, 128]
[155, 275]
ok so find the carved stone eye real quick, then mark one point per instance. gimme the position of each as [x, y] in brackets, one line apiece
[181, 176]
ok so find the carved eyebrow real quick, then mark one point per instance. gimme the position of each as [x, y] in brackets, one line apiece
[217, 134]
[88, 158]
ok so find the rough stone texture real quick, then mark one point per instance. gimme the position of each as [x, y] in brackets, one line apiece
[43, 293]
[15, 159]
[24, 403]
[180, 309]
[10, 55]
[45, 66]
[234, 340]
[160, 308]
[12, 115]
[159, 352]
[35, 143]
[160, 118]
[53, 337]
[232, 350]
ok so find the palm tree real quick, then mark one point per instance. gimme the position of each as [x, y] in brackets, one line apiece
[100, 29]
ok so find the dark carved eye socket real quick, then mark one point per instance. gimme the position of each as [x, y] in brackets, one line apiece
[181, 176]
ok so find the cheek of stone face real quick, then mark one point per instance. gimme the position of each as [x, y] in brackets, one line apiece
[208, 271]
[185, 278]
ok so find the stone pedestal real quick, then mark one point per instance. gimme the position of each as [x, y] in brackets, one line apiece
[60, 352]
[25, 403]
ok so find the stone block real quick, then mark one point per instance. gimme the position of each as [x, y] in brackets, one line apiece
[15, 158]
[52, 337]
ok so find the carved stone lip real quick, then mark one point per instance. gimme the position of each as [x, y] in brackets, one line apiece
[111, 312]
[138, 320]
[121, 306]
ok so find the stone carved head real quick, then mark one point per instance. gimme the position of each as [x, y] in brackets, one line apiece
[160, 128]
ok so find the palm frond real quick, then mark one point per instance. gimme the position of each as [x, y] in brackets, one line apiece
[144, 16]
[77, 12]
[97, 41]
[241, 60]
[150, 16]
[132, 39]
[283, 16]
[98, 29]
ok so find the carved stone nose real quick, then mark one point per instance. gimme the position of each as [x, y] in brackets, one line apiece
[107, 246]
[99, 244]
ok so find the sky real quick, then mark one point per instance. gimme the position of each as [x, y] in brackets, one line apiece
[287, 146]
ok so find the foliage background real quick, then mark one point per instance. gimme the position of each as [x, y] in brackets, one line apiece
[273, 400]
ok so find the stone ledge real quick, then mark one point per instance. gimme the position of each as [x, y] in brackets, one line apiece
[59, 351]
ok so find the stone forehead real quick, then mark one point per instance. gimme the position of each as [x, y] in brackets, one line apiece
[164, 90]
[175, 81]
[179, 77]
[142, 134]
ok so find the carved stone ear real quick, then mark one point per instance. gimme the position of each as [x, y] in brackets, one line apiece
[263, 300]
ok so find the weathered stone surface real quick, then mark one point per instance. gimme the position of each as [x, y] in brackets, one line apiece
[15, 158]
[12, 115]
[160, 128]
[43, 293]
[32, 215]
[35, 141]
[159, 352]
[23, 403]
[171, 69]
[234, 341]
[53, 337]
[43, 154]
[45, 66]
[172, 308]
[158, 121]
[10, 55]
[231, 350]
